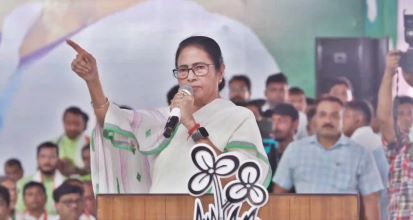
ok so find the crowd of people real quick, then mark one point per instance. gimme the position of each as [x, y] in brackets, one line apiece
[332, 144]
[61, 187]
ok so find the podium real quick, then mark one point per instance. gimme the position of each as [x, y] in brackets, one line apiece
[181, 207]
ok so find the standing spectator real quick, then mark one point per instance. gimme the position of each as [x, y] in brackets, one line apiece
[297, 98]
[276, 90]
[398, 148]
[342, 89]
[239, 89]
[356, 125]
[404, 114]
[310, 121]
[72, 141]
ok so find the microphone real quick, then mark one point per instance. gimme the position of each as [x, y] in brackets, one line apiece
[175, 114]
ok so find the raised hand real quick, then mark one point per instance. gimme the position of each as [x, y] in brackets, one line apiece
[84, 65]
[393, 61]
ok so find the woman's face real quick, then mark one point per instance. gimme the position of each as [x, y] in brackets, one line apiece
[205, 88]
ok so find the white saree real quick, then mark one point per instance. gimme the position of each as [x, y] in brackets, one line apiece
[130, 154]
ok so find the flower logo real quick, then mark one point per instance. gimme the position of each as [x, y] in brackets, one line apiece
[204, 159]
[246, 188]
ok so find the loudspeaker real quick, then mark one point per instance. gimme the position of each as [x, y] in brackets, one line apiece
[361, 60]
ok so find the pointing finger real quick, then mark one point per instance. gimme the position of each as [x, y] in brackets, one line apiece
[76, 47]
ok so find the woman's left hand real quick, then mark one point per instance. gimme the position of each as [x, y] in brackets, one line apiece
[185, 103]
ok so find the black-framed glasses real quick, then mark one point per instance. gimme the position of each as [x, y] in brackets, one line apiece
[199, 69]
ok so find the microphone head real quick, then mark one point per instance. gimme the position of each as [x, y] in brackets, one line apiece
[187, 89]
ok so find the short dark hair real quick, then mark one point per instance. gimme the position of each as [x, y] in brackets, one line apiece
[295, 91]
[207, 44]
[340, 81]
[328, 99]
[14, 162]
[276, 78]
[47, 144]
[243, 78]
[32, 184]
[64, 189]
[363, 107]
[310, 101]
[76, 111]
[5, 195]
[285, 109]
[73, 181]
[404, 100]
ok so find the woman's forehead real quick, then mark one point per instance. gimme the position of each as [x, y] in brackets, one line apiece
[192, 55]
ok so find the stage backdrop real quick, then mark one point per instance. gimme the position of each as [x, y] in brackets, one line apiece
[134, 43]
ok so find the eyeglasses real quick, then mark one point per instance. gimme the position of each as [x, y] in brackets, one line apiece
[199, 69]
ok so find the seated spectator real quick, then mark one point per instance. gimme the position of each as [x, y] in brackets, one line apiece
[4, 203]
[47, 174]
[90, 209]
[34, 197]
[10, 185]
[329, 162]
[239, 89]
[72, 141]
[342, 89]
[285, 124]
[356, 125]
[69, 200]
[13, 169]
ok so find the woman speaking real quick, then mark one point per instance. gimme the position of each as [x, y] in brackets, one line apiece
[130, 153]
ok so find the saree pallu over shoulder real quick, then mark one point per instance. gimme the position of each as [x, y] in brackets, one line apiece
[123, 150]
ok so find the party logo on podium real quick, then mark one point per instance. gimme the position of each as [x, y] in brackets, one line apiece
[243, 187]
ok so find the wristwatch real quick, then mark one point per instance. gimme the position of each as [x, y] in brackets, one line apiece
[200, 134]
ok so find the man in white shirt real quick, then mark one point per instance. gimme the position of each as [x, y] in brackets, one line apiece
[356, 125]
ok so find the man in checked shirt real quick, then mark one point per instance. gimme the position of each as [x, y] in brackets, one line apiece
[399, 148]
